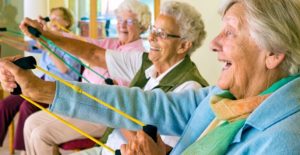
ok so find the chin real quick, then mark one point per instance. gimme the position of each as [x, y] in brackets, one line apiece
[223, 84]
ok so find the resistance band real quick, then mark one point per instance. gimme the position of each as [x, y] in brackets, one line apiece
[30, 63]
[37, 34]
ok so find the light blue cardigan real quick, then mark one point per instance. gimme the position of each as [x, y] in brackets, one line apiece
[273, 128]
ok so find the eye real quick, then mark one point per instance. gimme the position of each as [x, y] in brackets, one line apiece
[229, 33]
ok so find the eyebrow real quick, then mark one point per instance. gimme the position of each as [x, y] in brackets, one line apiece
[234, 22]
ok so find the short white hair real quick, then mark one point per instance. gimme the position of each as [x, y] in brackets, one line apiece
[275, 26]
[191, 26]
[140, 9]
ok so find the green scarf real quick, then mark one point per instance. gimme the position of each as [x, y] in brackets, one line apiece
[218, 140]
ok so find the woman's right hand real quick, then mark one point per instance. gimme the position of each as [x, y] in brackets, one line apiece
[10, 74]
[31, 86]
[33, 23]
[142, 144]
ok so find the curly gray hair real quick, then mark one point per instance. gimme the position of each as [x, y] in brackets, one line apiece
[191, 26]
[141, 10]
[275, 26]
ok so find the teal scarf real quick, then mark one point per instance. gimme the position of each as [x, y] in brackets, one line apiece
[218, 140]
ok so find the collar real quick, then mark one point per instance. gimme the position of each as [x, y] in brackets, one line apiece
[279, 105]
[134, 44]
[152, 73]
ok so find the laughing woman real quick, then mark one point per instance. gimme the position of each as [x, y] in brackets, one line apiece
[254, 109]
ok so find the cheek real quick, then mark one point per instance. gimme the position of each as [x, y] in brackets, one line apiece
[166, 47]
[154, 56]
[133, 31]
[233, 77]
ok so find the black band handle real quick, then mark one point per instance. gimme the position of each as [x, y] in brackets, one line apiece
[35, 32]
[150, 130]
[109, 81]
[46, 19]
[24, 63]
[3, 29]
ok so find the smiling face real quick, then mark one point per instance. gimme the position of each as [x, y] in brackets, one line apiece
[58, 16]
[165, 52]
[128, 27]
[244, 72]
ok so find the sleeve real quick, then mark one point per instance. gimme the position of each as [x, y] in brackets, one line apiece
[62, 54]
[188, 85]
[166, 111]
[32, 48]
[123, 65]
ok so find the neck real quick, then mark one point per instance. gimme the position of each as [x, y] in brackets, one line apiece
[255, 87]
[127, 42]
[163, 67]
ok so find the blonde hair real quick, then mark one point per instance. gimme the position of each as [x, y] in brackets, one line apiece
[67, 15]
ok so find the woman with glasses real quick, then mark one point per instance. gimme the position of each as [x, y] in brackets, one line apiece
[44, 133]
[177, 33]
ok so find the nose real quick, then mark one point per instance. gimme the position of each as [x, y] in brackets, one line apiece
[152, 37]
[215, 44]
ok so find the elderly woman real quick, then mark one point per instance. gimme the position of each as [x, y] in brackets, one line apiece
[44, 133]
[166, 62]
[171, 44]
[254, 109]
[13, 104]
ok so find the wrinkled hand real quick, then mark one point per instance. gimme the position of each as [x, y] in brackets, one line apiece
[44, 24]
[10, 74]
[142, 144]
[33, 23]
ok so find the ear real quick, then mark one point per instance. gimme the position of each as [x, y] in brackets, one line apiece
[184, 47]
[274, 60]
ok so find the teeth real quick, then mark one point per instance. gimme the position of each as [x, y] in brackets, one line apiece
[226, 65]
[154, 48]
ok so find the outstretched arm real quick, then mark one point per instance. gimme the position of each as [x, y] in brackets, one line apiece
[31, 85]
[91, 53]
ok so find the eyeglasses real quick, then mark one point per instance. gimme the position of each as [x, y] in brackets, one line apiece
[126, 21]
[161, 33]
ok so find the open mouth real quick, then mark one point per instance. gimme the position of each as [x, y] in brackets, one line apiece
[155, 49]
[227, 64]
[125, 32]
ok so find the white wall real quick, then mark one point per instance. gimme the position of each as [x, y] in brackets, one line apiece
[34, 11]
[205, 59]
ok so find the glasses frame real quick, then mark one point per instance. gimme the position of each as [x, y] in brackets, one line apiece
[128, 21]
[159, 32]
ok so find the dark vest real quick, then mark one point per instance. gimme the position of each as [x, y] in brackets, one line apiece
[183, 72]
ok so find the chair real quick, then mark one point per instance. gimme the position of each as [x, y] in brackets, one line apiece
[11, 129]
[78, 144]
[11, 133]
[81, 144]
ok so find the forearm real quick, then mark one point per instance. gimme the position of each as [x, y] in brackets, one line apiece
[161, 112]
[90, 53]
[59, 64]
[15, 43]
[43, 92]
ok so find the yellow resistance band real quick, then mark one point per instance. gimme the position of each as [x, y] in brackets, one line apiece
[79, 90]
[68, 31]
[68, 124]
